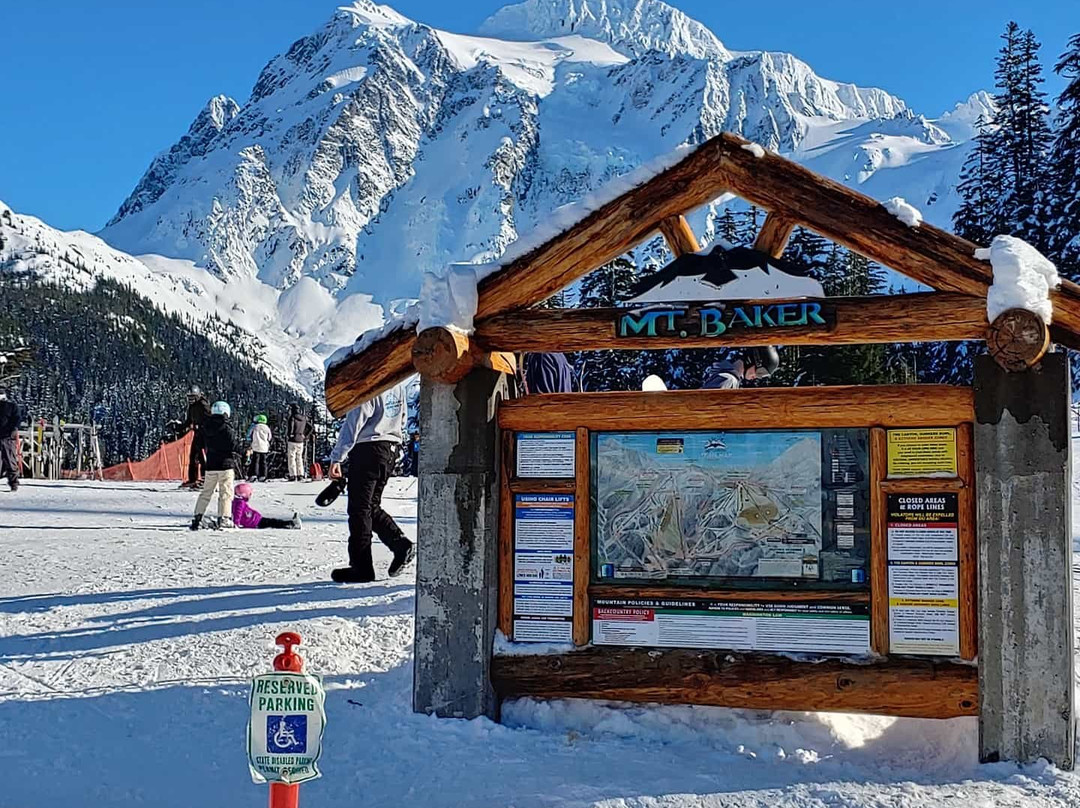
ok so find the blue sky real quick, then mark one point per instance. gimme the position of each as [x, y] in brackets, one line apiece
[91, 91]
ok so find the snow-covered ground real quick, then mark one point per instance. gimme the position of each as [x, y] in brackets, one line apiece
[126, 643]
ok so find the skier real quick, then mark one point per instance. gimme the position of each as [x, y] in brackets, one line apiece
[198, 410]
[222, 461]
[10, 417]
[731, 372]
[547, 373]
[244, 515]
[259, 437]
[370, 439]
[296, 437]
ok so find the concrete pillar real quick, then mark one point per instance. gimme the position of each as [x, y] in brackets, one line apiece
[1023, 481]
[457, 537]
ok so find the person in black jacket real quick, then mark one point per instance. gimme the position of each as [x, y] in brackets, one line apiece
[297, 432]
[10, 416]
[222, 462]
[198, 410]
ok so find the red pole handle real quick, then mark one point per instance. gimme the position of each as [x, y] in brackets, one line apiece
[288, 660]
[285, 795]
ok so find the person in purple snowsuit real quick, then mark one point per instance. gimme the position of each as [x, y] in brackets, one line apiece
[245, 516]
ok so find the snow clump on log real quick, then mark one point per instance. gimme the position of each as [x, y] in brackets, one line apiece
[448, 299]
[1023, 278]
[906, 213]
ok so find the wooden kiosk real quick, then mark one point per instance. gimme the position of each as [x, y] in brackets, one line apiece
[919, 552]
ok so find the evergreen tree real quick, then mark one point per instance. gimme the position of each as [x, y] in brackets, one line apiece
[1005, 185]
[607, 286]
[808, 251]
[1065, 161]
[842, 274]
[108, 355]
[729, 227]
[1023, 139]
[976, 219]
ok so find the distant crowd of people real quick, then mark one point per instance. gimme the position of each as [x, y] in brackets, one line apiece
[255, 466]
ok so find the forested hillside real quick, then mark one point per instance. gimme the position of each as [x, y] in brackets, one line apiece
[108, 354]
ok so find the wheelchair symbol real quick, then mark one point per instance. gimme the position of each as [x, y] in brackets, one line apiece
[286, 733]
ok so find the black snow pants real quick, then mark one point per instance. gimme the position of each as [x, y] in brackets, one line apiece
[195, 458]
[9, 461]
[370, 465]
[259, 465]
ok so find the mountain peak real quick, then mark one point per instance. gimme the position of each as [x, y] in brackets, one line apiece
[632, 26]
[963, 120]
[218, 111]
[365, 12]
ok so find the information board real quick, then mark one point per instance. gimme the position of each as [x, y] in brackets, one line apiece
[543, 567]
[922, 452]
[545, 454]
[702, 507]
[797, 627]
[285, 727]
[924, 580]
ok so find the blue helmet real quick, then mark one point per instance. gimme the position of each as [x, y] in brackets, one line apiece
[221, 408]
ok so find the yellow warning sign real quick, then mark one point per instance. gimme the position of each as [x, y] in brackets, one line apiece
[922, 452]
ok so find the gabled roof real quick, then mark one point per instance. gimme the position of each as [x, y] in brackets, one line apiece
[791, 193]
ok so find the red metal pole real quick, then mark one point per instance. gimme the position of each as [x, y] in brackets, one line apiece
[285, 795]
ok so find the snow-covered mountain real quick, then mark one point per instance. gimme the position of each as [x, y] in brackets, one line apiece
[284, 332]
[378, 147]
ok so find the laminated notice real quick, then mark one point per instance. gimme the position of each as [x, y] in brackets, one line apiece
[924, 579]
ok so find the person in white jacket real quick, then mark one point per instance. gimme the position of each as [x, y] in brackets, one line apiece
[370, 440]
[259, 437]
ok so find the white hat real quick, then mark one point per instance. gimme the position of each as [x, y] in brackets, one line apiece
[653, 384]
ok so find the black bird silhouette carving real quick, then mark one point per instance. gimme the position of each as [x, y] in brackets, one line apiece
[716, 268]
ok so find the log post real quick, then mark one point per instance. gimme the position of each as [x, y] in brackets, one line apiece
[1024, 489]
[774, 234]
[445, 355]
[1018, 339]
[457, 536]
[678, 235]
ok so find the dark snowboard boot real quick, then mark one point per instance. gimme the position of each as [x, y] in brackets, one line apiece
[351, 575]
[196, 522]
[402, 558]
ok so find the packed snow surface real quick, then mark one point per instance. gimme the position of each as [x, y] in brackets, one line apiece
[903, 211]
[1023, 278]
[127, 642]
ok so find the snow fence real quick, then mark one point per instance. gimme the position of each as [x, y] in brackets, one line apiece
[170, 462]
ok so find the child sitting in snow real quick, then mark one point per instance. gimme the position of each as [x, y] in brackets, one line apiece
[245, 516]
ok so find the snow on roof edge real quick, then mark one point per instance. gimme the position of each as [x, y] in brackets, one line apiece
[557, 222]
[407, 320]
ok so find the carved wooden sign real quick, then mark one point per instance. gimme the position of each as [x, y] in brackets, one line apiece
[724, 318]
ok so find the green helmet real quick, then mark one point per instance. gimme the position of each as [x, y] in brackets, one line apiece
[260, 419]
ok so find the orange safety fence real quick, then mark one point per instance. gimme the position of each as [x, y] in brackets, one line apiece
[170, 462]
